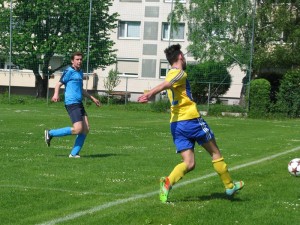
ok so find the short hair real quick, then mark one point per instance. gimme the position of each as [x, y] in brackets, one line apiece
[76, 54]
[172, 53]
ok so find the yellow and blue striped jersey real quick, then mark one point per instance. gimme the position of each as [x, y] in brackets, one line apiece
[182, 105]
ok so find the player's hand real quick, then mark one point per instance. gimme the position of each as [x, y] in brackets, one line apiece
[143, 99]
[96, 101]
[55, 98]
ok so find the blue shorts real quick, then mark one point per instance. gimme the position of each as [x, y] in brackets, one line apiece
[186, 133]
[76, 112]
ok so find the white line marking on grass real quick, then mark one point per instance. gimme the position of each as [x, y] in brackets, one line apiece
[136, 197]
[58, 190]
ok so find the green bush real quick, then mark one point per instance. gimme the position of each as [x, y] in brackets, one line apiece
[259, 98]
[203, 74]
[160, 106]
[218, 109]
[112, 100]
[19, 99]
[288, 97]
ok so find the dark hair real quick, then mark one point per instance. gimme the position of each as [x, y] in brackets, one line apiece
[172, 53]
[76, 54]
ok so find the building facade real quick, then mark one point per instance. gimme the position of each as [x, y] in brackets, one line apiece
[142, 35]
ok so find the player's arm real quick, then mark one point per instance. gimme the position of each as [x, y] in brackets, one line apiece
[87, 95]
[55, 97]
[162, 86]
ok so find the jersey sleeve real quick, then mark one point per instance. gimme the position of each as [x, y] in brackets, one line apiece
[176, 77]
[65, 77]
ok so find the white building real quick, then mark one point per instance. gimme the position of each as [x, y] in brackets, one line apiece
[142, 35]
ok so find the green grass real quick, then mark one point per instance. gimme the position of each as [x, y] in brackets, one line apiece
[125, 154]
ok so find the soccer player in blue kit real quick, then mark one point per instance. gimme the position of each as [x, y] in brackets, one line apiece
[72, 79]
[187, 127]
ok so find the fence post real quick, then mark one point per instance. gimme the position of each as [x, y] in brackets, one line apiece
[208, 97]
[48, 75]
[126, 91]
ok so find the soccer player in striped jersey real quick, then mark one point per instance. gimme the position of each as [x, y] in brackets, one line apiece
[187, 126]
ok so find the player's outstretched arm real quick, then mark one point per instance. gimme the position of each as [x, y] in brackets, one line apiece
[162, 86]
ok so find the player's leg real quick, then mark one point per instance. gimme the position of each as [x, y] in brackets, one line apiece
[177, 173]
[60, 132]
[205, 137]
[185, 147]
[74, 114]
[181, 169]
[221, 168]
[81, 128]
[218, 162]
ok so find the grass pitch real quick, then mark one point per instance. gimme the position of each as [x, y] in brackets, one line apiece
[116, 179]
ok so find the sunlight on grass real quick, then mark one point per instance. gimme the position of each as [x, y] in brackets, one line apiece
[123, 158]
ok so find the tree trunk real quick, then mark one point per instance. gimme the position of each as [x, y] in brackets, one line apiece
[41, 85]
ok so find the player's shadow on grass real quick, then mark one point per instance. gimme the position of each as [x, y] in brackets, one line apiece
[210, 197]
[95, 155]
[100, 155]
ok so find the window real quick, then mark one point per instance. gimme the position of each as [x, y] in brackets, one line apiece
[129, 29]
[177, 33]
[128, 67]
[164, 67]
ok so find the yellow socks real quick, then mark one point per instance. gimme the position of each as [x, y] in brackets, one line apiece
[177, 173]
[221, 168]
[219, 165]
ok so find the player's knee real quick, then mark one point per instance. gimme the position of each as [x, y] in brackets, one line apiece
[77, 130]
[191, 166]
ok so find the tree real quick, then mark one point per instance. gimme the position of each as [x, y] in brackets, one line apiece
[277, 40]
[277, 35]
[111, 82]
[288, 97]
[223, 29]
[219, 30]
[42, 29]
[208, 78]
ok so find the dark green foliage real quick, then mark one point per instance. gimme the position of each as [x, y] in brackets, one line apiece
[277, 35]
[277, 45]
[218, 109]
[288, 98]
[207, 75]
[160, 106]
[43, 29]
[259, 98]
[19, 99]
[218, 29]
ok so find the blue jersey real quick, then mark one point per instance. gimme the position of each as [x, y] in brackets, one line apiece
[73, 81]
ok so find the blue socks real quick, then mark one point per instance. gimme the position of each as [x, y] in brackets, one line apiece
[68, 131]
[78, 144]
[61, 132]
